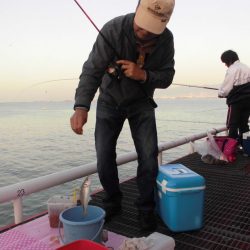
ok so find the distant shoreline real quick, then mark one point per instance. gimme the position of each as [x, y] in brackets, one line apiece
[156, 98]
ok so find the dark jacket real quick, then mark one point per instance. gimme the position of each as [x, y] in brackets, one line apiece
[119, 32]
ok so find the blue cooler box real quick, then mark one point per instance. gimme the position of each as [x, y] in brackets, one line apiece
[180, 199]
[246, 143]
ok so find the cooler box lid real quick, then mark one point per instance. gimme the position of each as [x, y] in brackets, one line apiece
[177, 177]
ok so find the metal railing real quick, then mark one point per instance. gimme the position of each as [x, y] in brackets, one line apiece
[16, 192]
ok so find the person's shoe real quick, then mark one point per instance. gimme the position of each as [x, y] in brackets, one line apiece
[147, 220]
[112, 209]
[112, 205]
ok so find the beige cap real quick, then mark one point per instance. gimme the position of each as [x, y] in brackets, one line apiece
[153, 15]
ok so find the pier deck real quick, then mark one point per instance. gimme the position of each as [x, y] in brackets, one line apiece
[226, 217]
[227, 208]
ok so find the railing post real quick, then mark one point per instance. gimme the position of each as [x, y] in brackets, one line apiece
[18, 210]
[191, 148]
[160, 158]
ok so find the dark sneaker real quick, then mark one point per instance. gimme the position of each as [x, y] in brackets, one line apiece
[112, 205]
[147, 220]
[239, 149]
[111, 209]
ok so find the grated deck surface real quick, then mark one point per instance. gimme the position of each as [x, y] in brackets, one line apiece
[227, 208]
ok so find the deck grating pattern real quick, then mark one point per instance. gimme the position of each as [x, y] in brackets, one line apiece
[227, 208]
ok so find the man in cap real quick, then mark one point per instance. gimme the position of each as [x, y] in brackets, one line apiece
[132, 56]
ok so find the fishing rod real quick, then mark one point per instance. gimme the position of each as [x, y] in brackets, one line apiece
[114, 69]
[98, 30]
[71, 79]
[195, 86]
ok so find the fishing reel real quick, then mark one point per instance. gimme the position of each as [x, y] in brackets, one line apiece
[114, 70]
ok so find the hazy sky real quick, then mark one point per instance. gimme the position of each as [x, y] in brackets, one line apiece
[44, 40]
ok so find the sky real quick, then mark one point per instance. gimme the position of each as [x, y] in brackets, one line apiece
[46, 40]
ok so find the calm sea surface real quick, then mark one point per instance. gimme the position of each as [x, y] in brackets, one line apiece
[36, 140]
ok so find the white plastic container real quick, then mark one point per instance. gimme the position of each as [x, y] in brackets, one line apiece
[155, 241]
[246, 143]
[56, 204]
[161, 241]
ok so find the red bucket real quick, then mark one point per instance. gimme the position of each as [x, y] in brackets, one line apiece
[83, 245]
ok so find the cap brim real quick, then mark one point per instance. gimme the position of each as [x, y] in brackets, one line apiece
[149, 22]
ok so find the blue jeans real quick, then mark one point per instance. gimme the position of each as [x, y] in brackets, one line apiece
[109, 122]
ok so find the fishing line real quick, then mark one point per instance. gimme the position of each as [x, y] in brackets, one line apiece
[55, 80]
[208, 110]
[45, 82]
[195, 86]
[163, 120]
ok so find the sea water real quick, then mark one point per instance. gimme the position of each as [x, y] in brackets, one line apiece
[36, 140]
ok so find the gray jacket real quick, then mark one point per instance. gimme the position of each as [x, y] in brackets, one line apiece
[119, 32]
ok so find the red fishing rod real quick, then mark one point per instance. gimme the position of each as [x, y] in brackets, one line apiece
[98, 30]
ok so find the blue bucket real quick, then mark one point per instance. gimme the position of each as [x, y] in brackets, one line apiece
[77, 226]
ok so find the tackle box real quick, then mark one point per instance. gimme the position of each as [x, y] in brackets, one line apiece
[180, 197]
[246, 143]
